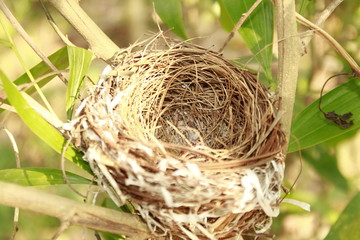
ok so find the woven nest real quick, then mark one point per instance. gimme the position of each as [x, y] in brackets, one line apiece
[190, 138]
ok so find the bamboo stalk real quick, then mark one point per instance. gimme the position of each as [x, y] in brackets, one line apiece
[71, 212]
[289, 55]
[102, 46]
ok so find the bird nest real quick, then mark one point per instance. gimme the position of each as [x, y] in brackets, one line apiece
[188, 137]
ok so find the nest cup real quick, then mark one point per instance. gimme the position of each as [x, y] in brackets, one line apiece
[188, 137]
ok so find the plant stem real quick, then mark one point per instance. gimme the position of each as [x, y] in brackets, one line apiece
[27, 38]
[288, 61]
[242, 19]
[71, 212]
[101, 45]
[355, 67]
[322, 18]
[62, 36]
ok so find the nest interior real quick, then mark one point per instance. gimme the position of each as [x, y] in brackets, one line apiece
[189, 137]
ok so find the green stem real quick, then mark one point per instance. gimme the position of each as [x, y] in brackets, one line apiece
[22, 62]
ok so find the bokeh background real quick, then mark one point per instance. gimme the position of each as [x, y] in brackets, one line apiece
[125, 21]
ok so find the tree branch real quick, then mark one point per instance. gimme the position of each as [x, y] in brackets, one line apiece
[101, 45]
[288, 61]
[71, 212]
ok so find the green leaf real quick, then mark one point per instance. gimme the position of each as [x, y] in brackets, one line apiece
[225, 20]
[257, 30]
[79, 60]
[40, 176]
[347, 225]
[127, 207]
[326, 165]
[39, 126]
[170, 12]
[60, 61]
[111, 236]
[310, 127]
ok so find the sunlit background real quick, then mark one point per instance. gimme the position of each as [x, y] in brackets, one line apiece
[125, 21]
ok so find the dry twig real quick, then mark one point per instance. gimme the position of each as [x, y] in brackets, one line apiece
[244, 16]
[54, 26]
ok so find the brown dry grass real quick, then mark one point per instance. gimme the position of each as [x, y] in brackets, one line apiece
[189, 137]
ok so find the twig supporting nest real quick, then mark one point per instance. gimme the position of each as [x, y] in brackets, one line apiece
[189, 137]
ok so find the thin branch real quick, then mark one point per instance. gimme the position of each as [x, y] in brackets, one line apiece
[16, 223]
[286, 190]
[54, 26]
[323, 87]
[102, 46]
[68, 183]
[238, 25]
[72, 212]
[330, 8]
[61, 229]
[331, 41]
[342, 120]
[288, 61]
[27, 38]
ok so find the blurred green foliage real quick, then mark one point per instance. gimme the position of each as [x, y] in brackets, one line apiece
[347, 226]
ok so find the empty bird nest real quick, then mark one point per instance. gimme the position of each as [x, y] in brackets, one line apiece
[188, 137]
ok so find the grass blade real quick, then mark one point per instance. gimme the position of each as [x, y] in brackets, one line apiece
[39, 177]
[79, 61]
[60, 61]
[38, 125]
